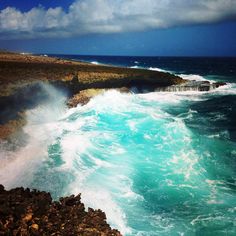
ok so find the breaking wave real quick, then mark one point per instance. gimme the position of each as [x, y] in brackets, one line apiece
[147, 160]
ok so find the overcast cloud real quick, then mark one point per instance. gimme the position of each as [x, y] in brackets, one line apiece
[112, 16]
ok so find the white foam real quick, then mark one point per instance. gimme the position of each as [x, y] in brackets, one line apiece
[80, 148]
[40, 130]
[111, 99]
[95, 62]
[228, 89]
[207, 218]
[232, 209]
[73, 145]
[193, 77]
[21, 165]
[172, 97]
[105, 193]
[132, 124]
[157, 69]
[214, 201]
[149, 68]
[125, 186]
[185, 164]
[26, 53]
[136, 67]
[95, 197]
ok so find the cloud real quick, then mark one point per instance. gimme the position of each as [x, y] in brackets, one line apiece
[112, 16]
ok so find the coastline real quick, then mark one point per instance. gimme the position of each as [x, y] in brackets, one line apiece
[31, 96]
[29, 68]
[21, 77]
[21, 74]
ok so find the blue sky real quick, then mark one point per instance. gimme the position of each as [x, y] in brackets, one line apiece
[26, 5]
[120, 27]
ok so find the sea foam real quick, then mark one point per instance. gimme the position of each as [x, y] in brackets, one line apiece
[132, 155]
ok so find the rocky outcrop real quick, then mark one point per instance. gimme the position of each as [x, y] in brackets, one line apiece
[202, 86]
[21, 75]
[17, 71]
[83, 97]
[25, 212]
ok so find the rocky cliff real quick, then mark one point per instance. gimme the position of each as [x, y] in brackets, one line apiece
[20, 76]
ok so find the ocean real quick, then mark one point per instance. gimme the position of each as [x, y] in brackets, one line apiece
[159, 163]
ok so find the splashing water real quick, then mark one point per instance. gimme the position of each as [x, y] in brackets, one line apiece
[155, 163]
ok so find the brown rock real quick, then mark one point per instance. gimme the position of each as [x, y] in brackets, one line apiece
[35, 227]
[18, 74]
[84, 96]
[25, 212]
[28, 217]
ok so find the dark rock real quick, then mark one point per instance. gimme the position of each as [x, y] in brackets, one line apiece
[201, 86]
[218, 84]
[25, 212]
[1, 188]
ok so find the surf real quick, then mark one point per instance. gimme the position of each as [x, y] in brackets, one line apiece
[131, 152]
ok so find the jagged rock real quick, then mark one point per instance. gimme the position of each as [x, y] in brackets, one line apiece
[83, 97]
[25, 212]
[201, 86]
[218, 84]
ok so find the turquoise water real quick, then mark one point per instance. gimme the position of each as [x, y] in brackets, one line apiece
[156, 163]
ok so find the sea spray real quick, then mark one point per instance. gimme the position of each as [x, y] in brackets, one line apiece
[21, 156]
[156, 163]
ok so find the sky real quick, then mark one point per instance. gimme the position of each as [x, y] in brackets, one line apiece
[120, 27]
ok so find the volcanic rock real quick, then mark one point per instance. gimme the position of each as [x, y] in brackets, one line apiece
[26, 212]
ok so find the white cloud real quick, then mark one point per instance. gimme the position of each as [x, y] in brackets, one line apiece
[112, 16]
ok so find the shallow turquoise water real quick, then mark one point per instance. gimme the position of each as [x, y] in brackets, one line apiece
[155, 163]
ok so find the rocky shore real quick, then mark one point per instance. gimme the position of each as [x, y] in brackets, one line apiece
[20, 75]
[18, 70]
[25, 212]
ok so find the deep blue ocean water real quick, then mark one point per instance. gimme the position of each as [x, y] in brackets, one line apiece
[156, 163]
[204, 66]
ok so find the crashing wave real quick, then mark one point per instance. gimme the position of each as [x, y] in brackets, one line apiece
[157, 69]
[95, 63]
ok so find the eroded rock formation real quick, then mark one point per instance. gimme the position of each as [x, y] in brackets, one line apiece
[25, 212]
[21, 75]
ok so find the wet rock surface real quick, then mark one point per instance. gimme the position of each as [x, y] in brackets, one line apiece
[26, 212]
[201, 86]
[21, 76]
[83, 97]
